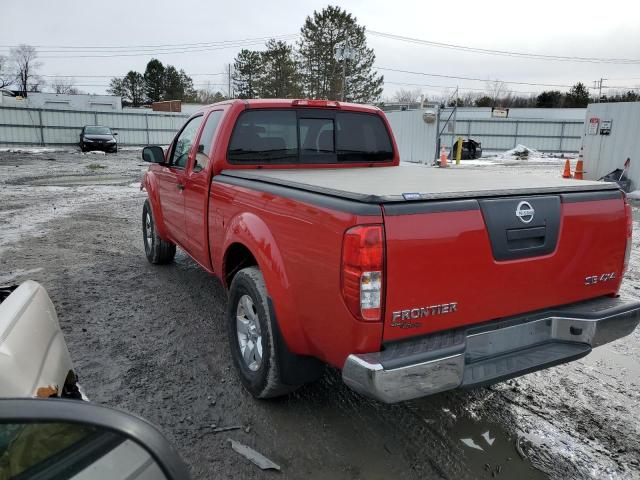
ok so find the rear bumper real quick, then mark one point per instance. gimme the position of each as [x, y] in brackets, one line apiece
[491, 352]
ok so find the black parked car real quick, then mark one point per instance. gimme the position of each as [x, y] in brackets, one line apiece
[95, 137]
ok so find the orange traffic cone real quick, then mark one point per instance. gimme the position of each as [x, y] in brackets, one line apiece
[579, 167]
[443, 157]
[567, 169]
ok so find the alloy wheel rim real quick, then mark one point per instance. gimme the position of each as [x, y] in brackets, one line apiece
[148, 233]
[249, 333]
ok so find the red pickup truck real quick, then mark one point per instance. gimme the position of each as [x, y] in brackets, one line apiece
[411, 280]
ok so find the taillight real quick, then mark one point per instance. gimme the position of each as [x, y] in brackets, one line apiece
[362, 271]
[627, 252]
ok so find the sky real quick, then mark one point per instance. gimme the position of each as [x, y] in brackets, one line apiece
[590, 29]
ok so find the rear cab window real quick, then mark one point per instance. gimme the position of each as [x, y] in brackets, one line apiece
[306, 136]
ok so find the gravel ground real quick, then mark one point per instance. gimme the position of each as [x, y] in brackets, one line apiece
[150, 340]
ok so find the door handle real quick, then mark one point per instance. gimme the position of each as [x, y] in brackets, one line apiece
[180, 186]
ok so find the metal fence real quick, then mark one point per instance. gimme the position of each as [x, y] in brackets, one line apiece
[505, 134]
[51, 127]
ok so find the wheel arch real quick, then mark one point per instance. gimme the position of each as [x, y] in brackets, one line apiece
[249, 241]
[150, 184]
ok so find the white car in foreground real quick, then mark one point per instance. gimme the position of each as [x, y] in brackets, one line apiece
[34, 358]
[46, 437]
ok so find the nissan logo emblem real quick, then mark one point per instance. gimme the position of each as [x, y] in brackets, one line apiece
[525, 212]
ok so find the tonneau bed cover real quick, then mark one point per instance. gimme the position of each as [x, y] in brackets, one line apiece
[402, 183]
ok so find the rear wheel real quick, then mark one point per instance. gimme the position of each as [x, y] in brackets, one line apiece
[157, 250]
[251, 339]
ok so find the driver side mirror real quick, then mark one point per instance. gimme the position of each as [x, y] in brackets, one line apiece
[56, 438]
[153, 154]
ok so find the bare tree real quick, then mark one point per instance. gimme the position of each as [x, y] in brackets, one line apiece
[64, 85]
[6, 75]
[407, 96]
[209, 94]
[496, 89]
[24, 59]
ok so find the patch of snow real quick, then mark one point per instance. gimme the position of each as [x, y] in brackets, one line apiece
[635, 195]
[34, 150]
[471, 444]
[487, 437]
[478, 161]
[521, 152]
[96, 152]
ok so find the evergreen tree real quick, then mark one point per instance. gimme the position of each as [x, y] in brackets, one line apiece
[484, 101]
[131, 88]
[577, 97]
[188, 92]
[549, 99]
[322, 73]
[154, 80]
[134, 87]
[279, 77]
[177, 85]
[248, 70]
[116, 87]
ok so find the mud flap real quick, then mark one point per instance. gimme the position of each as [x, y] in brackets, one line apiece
[294, 369]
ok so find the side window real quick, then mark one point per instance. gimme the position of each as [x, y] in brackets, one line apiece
[184, 142]
[206, 139]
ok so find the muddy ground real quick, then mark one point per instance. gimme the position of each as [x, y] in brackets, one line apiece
[150, 340]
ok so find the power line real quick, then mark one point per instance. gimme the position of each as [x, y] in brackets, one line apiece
[487, 51]
[164, 45]
[470, 78]
[452, 86]
[132, 52]
[112, 76]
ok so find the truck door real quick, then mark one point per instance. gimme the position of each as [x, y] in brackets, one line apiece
[171, 181]
[196, 191]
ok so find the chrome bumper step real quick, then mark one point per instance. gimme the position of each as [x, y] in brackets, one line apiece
[490, 352]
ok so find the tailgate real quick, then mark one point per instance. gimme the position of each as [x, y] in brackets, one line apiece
[460, 262]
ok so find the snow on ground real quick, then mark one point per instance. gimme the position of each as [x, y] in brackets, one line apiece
[521, 152]
[635, 195]
[35, 150]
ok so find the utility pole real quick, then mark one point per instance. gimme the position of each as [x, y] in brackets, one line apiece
[455, 118]
[599, 88]
[229, 92]
[343, 53]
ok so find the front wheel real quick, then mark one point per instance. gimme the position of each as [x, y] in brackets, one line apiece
[157, 250]
[251, 339]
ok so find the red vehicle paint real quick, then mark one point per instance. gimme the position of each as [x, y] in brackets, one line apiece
[438, 261]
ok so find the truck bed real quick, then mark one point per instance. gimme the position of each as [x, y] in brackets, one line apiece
[408, 182]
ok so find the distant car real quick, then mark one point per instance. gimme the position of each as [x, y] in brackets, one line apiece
[96, 137]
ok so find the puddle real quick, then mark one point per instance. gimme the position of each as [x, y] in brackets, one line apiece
[491, 452]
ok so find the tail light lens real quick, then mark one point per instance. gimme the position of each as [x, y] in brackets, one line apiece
[627, 252]
[363, 270]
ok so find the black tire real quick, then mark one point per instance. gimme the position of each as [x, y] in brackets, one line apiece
[157, 250]
[265, 381]
[83, 148]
